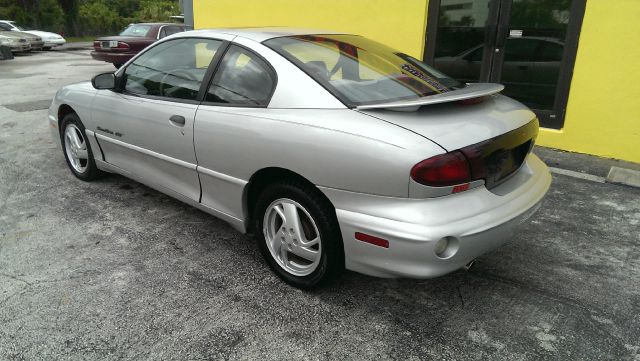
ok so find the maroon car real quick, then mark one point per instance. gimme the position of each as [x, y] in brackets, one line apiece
[135, 37]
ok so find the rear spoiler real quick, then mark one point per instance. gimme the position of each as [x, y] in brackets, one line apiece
[474, 90]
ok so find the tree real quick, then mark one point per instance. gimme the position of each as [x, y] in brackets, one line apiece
[70, 9]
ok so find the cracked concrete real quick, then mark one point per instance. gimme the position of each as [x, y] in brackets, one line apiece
[114, 270]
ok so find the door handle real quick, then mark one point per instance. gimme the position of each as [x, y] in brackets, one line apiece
[177, 119]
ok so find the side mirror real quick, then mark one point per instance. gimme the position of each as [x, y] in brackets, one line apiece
[104, 81]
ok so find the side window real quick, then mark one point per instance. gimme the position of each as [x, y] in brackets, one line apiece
[475, 55]
[4, 26]
[169, 30]
[173, 69]
[550, 52]
[520, 49]
[242, 79]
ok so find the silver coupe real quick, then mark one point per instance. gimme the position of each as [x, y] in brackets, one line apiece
[334, 150]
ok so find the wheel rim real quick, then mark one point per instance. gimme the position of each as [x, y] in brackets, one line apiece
[76, 148]
[292, 237]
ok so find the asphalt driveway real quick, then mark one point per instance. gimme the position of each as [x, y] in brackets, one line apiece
[115, 270]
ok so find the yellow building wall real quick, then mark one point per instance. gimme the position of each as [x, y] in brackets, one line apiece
[397, 23]
[603, 110]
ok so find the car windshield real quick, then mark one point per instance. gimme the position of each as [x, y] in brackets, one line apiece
[21, 28]
[361, 71]
[136, 30]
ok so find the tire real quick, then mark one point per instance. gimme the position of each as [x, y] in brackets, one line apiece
[117, 65]
[76, 148]
[281, 240]
[46, 48]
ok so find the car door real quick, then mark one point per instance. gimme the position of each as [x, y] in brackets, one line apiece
[243, 83]
[545, 73]
[146, 127]
[519, 58]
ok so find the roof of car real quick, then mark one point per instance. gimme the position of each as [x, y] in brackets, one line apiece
[262, 33]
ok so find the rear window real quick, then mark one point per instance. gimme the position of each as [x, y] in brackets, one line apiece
[136, 30]
[360, 71]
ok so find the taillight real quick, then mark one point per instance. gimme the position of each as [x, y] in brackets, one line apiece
[96, 45]
[122, 45]
[442, 170]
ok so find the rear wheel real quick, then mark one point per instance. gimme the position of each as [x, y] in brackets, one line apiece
[77, 150]
[298, 234]
[46, 48]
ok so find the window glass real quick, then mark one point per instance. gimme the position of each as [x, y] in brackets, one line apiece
[475, 55]
[136, 30]
[551, 52]
[242, 79]
[169, 30]
[5, 26]
[520, 49]
[361, 71]
[173, 69]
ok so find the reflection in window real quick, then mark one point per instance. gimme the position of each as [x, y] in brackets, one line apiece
[242, 79]
[173, 69]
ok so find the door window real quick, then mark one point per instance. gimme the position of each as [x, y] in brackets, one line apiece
[243, 79]
[520, 50]
[169, 30]
[523, 45]
[550, 51]
[172, 69]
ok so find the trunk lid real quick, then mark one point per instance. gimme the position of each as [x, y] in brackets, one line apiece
[495, 135]
[453, 126]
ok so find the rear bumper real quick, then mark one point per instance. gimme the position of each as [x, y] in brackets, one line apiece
[115, 58]
[475, 222]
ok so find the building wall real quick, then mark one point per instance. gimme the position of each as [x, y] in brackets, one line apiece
[603, 110]
[400, 24]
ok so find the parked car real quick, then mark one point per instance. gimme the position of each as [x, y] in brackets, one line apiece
[35, 42]
[530, 70]
[335, 150]
[15, 42]
[135, 37]
[49, 39]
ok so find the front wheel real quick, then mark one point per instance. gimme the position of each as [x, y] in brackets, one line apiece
[298, 234]
[77, 150]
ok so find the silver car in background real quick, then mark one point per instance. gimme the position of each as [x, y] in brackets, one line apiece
[335, 150]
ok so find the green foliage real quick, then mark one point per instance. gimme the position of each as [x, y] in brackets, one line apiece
[156, 10]
[86, 17]
[11, 11]
[50, 16]
[95, 18]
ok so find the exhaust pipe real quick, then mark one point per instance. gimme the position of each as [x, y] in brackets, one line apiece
[468, 266]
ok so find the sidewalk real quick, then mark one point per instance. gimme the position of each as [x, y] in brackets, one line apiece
[587, 166]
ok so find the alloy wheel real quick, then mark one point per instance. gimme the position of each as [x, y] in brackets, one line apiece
[292, 237]
[76, 148]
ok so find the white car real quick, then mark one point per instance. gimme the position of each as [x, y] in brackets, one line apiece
[50, 39]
